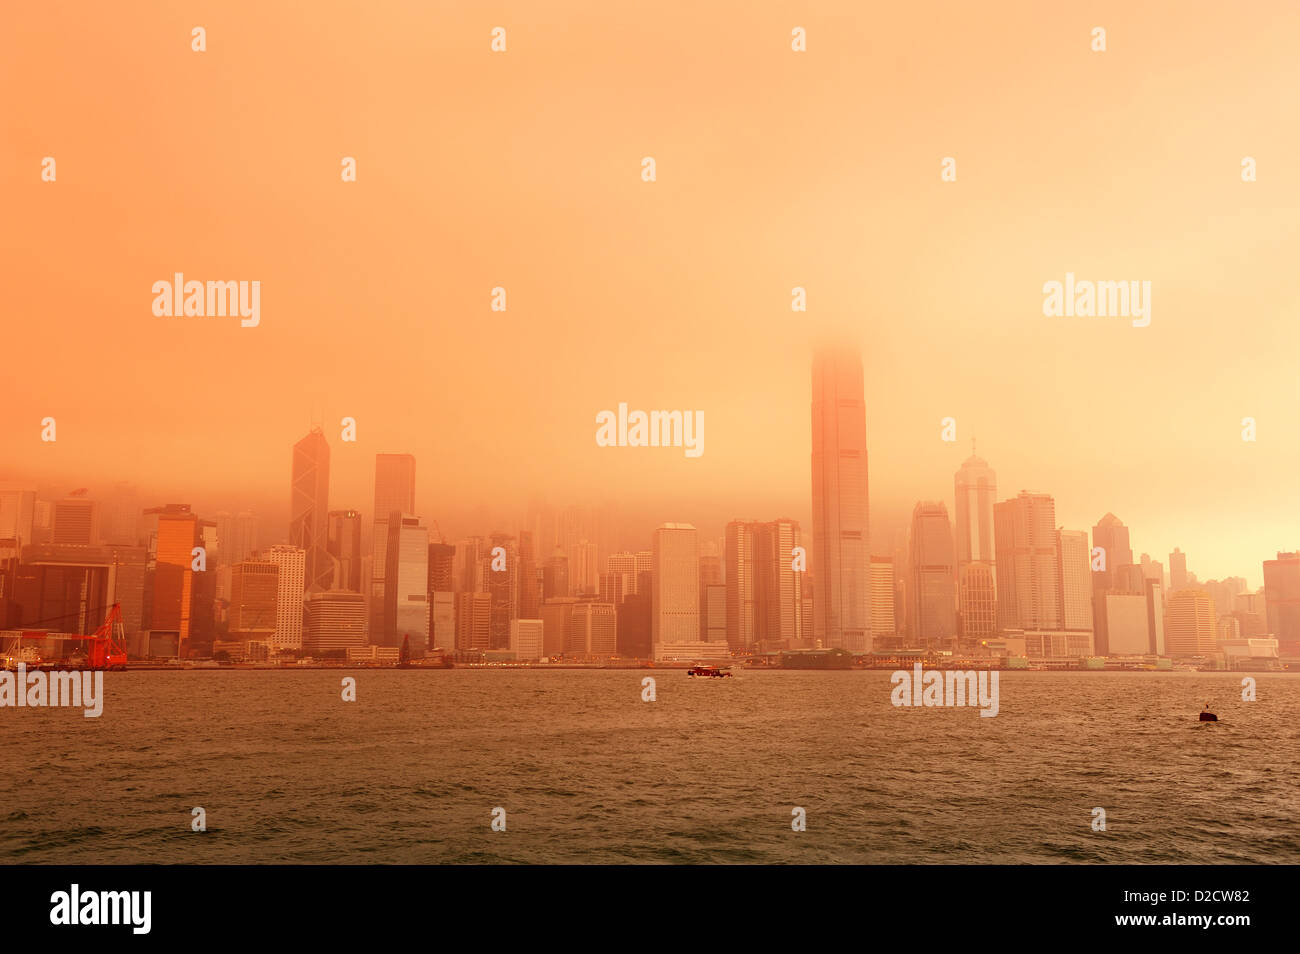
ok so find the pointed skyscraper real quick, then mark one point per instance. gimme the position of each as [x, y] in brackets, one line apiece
[308, 506]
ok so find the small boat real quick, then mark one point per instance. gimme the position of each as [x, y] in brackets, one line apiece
[713, 671]
[1207, 715]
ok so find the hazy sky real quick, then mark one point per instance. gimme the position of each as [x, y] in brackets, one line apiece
[775, 169]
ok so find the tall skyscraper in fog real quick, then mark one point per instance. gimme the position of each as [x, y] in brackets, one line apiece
[308, 506]
[841, 554]
[394, 491]
[1028, 574]
[975, 491]
[675, 586]
[1177, 570]
[934, 585]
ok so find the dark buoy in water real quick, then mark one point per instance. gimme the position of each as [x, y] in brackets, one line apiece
[1207, 715]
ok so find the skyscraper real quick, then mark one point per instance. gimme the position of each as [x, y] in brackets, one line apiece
[394, 491]
[977, 603]
[254, 599]
[1191, 628]
[308, 506]
[172, 593]
[345, 549]
[976, 490]
[406, 588]
[1282, 600]
[291, 589]
[934, 591]
[764, 591]
[883, 623]
[841, 561]
[75, 520]
[675, 588]
[1024, 532]
[1177, 570]
[1074, 568]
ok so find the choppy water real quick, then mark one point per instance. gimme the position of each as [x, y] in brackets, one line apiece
[588, 773]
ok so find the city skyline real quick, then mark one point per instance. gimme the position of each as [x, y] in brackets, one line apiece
[622, 290]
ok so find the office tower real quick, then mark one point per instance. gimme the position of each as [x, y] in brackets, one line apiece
[473, 615]
[1191, 627]
[840, 562]
[75, 520]
[555, 577]
[778, 614]
[1282, 601]
[1127, 624]
[626, 565]
[740, 586]
[254, 600]
[976, 490]
[501, 571]
[345, 549]
[467, 565]
[584, 573]
[336, 622]
[442, 620]
[1074, 570]
[530, 583]
[1111, 536]
[1251, 612]
[308, 506]
[675, 590]
[612, 587]
[883, 624]
[526, 639]
[120, 516]
[1112, 574]
[556, 613]
[710, 575]
[442, 596]
[171, 595]
[634, 640]
[406, 585]
[713, 613]
[292, 562]
[394, 492]
[977, 601]
[442, 568]
[237, 537]
[1177, 570]
[17, 513]
[593, 630]
[1024, 532]
[1154, 590]
[933, 573]
[764, 591]
[69, 588]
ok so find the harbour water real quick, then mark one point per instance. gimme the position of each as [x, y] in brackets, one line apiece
[709, 772]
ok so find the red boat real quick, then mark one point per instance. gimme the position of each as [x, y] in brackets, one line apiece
[709, 671]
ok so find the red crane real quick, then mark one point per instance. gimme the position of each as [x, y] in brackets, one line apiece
[104, 648]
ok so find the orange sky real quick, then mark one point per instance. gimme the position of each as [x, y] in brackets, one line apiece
[775, 169]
